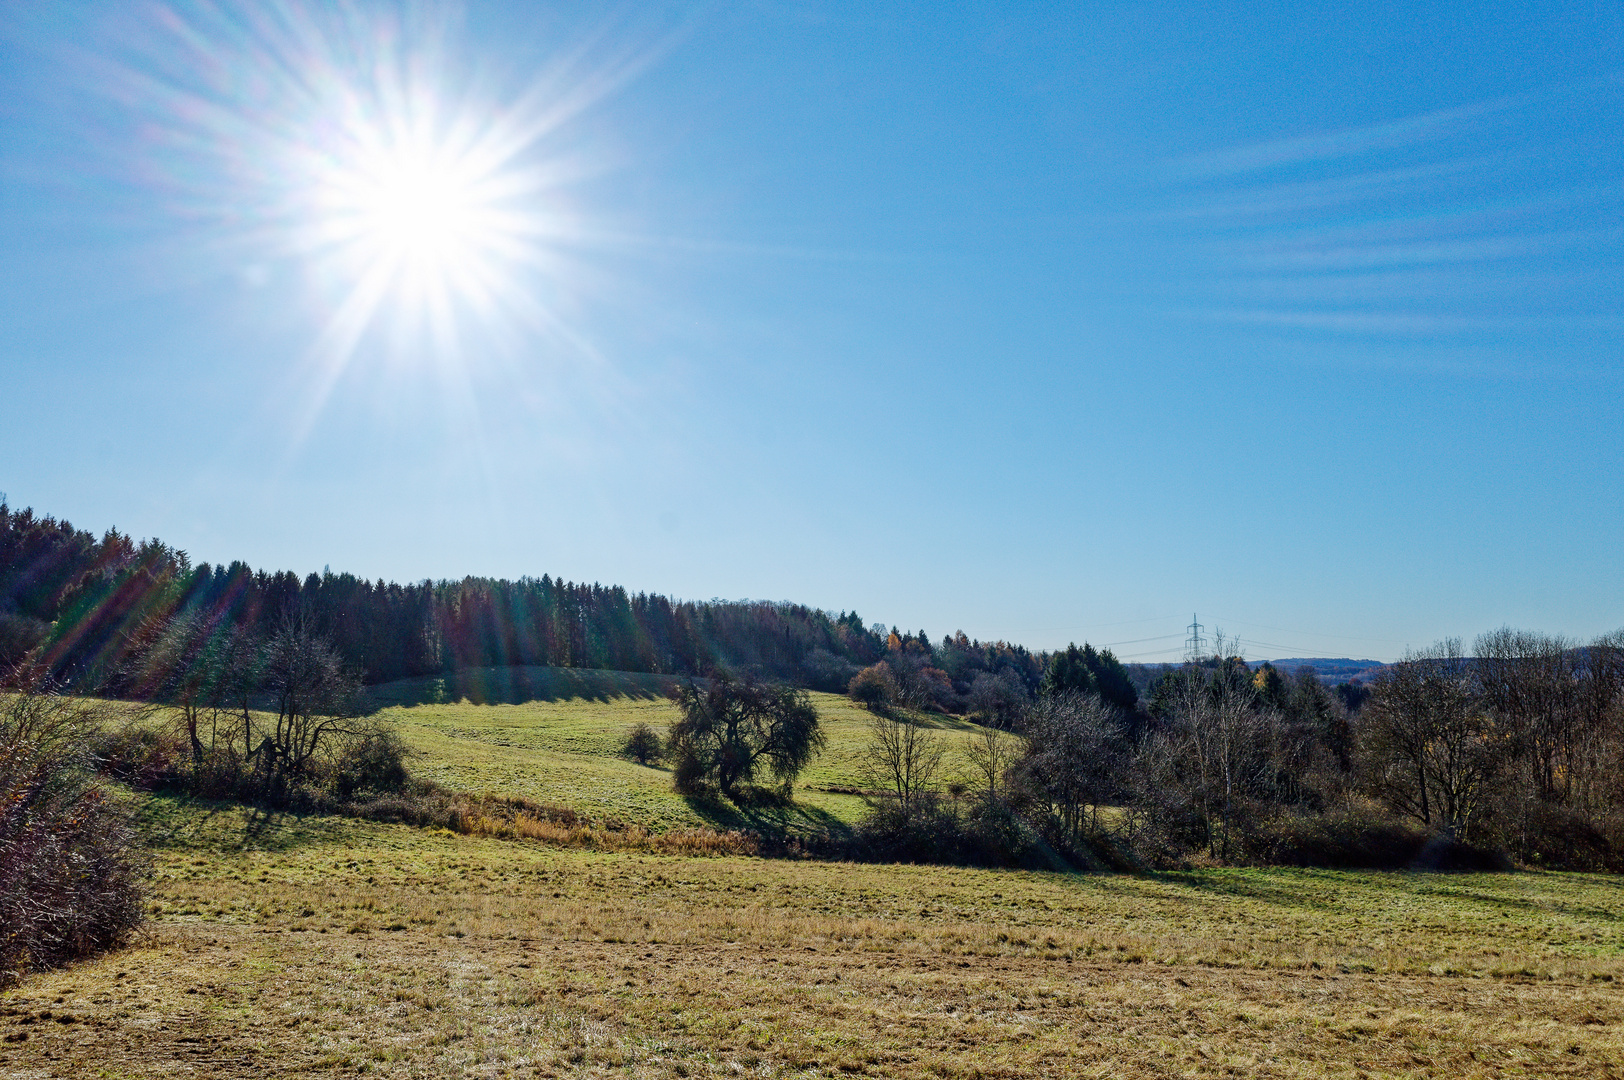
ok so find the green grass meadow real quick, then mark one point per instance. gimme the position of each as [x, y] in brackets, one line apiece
[564, 749]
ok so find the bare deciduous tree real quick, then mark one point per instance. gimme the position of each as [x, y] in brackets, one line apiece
[1601, 712]
[992, 752]
[1213, 760]
[1073, 756]
[1529, 682]
[316, 699]
[900, 760]
[1434, 748]
[997, 699]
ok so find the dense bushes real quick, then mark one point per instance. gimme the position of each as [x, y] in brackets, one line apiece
[1516, 746]
[70, 868]
[367, 761]
[275, 721]
[1453, 762]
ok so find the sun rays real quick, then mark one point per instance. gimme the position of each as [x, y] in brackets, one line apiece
[422, 214]
[430, 208]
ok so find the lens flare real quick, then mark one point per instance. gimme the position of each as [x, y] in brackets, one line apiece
[431, 217]
[422, 195]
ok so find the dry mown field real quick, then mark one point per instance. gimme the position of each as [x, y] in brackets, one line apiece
[326, 947]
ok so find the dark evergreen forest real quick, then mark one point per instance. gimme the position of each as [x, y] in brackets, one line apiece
[86, 610]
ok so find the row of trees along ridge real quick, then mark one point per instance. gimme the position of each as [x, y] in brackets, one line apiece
[91, 612]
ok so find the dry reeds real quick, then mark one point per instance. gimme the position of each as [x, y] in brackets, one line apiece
[521, 819]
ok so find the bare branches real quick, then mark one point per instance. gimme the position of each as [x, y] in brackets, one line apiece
[70, 872]
[992, 753]
[900, 760]
[1433, 740]
[1074, 756]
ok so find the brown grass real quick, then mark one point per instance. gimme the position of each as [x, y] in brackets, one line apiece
[329, 947]
[509, 818]
[602, 838]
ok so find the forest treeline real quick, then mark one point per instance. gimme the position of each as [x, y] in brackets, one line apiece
[90, 612]
[1514, 747]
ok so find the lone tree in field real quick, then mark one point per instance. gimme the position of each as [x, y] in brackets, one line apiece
[731, 731]
[316, 702]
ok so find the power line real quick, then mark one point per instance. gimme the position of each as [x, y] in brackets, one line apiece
[1152, 652]
[1195, 646]
[1312, 633]
[1086, 626]
[1138, 641]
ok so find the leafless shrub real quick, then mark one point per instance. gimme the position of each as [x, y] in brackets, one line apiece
[1074, 758]
[1431, 747]
[70, 869]
[1211, 772]
[997, 699]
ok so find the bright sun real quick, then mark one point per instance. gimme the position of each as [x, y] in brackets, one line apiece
[418, 217]
[421, 196]
[419, 208]
[423, 210]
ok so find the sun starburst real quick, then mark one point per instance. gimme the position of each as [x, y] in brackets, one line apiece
[422, 195]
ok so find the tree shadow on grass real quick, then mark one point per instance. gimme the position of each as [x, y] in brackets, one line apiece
[775, 821]
[187, 822]
[519, 685]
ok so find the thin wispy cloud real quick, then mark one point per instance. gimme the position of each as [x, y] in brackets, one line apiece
[1405, 132]
[1479, 220]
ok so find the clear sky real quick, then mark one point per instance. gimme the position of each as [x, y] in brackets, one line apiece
[1044, 322]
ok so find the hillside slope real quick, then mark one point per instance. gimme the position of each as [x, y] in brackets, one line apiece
[562, 747]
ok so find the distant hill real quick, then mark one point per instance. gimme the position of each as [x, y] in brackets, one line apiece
[1337, 669]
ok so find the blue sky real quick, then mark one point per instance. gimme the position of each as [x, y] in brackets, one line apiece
[1043, 322]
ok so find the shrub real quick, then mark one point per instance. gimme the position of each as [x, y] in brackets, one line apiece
[367, 761]
[989, 834]
[373, 762]
[643, 744]
[874, 686]
[139, 755]
[1357, 839]
[70, 869]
